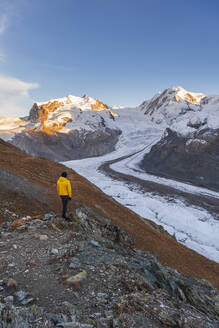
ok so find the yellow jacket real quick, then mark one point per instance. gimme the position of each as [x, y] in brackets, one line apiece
[64, 187]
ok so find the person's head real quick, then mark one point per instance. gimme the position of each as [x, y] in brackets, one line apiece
[64, 174]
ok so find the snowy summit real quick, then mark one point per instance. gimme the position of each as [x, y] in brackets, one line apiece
[182, 111]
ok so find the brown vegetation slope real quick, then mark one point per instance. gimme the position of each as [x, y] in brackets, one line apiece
[39, 176]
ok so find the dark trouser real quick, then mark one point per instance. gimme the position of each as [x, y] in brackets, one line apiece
[64, 205]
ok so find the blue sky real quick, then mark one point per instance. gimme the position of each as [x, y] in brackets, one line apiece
[120, 51]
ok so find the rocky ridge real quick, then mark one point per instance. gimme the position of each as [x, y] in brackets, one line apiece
[85, 273]
[193, 159]
[76, 144]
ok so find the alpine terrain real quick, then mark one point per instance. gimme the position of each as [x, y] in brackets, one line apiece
[107, 267]
[189, 148]
[159, 159]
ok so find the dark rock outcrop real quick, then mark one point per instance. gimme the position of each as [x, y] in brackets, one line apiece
[193, 159]
[77, 144]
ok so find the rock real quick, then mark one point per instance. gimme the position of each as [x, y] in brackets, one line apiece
[217, 307]
[95, 243]
[100, 226]
[67, 325]
[58, 319]
[27, 301]
[20, 295]
[11, 265]
[73, 325]
[96, 315]
[11, 283]
[54, 251]
[44, 237]
[20, 222]
[36, 236]
[43, 226]
[70, 307]
[73, 234]
[109, 314]
[75, 263]
[54, 227]
[57, 223]
[6, 225]
[9, 299]
[104, 323]
[21, 228]
[31, 262]
[2, 306]
[101, 295]
[77, 278]
[48, 216]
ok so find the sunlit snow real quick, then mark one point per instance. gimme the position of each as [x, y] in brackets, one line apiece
[194, 227]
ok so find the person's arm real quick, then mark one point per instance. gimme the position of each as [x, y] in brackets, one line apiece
[69, 189]
[58, 187]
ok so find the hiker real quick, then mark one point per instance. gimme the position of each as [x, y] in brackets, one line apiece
[64, 191]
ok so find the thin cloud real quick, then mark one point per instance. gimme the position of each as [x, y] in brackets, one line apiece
[3, 23]
[15, 99]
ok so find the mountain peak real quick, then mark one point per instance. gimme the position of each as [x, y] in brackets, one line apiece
[87, 97]
[189, 97]
[53, 115]
[177, 88]
[171, 96]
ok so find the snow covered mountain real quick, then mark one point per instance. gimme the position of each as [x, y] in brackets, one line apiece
[189, 148]
[182, 111]
[77, 127]
[62, 129]
[53, 115]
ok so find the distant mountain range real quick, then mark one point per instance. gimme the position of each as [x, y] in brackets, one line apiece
[78, 127]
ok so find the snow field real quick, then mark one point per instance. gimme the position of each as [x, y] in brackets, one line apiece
[192, 226]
